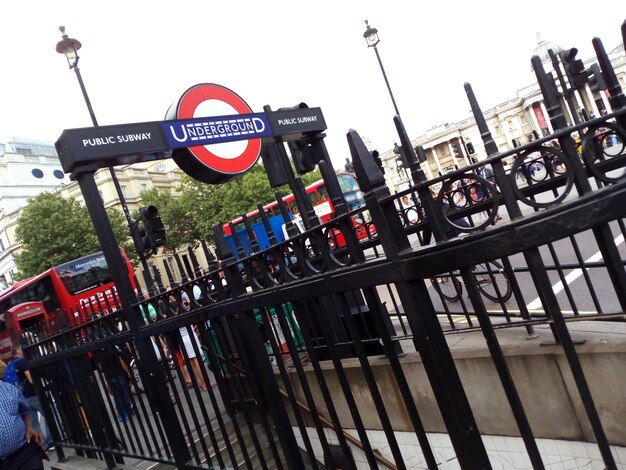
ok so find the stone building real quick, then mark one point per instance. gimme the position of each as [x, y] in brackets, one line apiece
[512, 123]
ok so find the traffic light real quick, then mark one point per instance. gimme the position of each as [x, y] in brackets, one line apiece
[456, 148]
[378, 161]
[399, 150]
[155, 232]
[574, 68]
[273, 166]
[596, 80]
[302, 154]
[470, 148]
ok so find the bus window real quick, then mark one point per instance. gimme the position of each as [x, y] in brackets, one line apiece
[41, 290]
[293, 207]
[323, 193]
[84, 274]
[347, 183]
[314, 198]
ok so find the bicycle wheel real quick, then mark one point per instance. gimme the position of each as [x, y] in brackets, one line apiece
[448, 287]
[492, 282]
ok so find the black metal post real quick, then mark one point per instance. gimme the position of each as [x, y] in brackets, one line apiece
[393, 100]
[85, 178]
[132, 225]
[568, 92]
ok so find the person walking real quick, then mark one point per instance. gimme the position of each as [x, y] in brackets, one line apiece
[114, 366]
[187, 340]
[20, 445]
[25, 380]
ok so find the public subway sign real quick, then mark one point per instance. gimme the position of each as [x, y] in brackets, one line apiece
[211, 133]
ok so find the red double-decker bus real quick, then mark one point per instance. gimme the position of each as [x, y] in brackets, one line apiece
[68, 293]
[320, 200]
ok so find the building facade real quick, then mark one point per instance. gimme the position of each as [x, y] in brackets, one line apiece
[30, 167]
[27, 168]
[512, 123]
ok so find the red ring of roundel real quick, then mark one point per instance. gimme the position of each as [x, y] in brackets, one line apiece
[187, 105]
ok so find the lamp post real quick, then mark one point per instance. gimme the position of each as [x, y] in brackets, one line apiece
[372, 40]
[69, 48]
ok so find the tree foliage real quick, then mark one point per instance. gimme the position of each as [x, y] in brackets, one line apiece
[54, 230]
[190, 216]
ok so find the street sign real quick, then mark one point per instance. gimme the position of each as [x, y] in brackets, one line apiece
[212, 163]
[211, 133]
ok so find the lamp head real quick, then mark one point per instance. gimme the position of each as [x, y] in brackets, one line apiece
[69, 48]
[371, 35]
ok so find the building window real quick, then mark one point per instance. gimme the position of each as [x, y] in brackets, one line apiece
[170, 265]
[23, 151]
[125, 191]
[37, 173]
[1, 245]
[144, 187]
[58, 174]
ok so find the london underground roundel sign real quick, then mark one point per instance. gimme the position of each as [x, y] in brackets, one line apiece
[225, 126]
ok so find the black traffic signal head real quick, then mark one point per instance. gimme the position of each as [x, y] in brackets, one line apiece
[303, 158]
[569, 55]
[456, 148]
[155, 231]
[574, 68]
[470, 148]
[596, 79]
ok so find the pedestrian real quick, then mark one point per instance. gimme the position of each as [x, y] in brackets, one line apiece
[20, 446]
[410, 211]
[3, 367]
[114, 366]
[445, 208]
[188, 340]
[25, 381]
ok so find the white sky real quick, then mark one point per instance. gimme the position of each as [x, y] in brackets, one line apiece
[139, 56]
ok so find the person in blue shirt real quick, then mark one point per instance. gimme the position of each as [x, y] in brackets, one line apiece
[28, 390]
[20, 445]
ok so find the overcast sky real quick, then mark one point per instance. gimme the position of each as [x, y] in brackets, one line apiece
[138, 57]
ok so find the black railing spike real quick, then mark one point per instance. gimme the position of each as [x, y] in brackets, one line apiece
[550, 94]
[367, 172]
[266, 224]
[222, 248]
[490, 146]
[617, 100]
[417, 174]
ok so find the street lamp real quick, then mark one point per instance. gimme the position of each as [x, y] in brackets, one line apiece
[69, 48]
[372, 40]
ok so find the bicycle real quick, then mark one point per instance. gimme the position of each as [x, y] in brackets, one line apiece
[490, 278]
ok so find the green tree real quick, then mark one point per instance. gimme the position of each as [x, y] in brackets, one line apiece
[53, 230]
[190, 216]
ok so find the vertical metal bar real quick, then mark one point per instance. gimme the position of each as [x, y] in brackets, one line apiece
[119, 273]
[373, 301]
[549, 300]
[503, 370]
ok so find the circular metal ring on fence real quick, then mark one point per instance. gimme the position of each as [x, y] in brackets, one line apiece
[274, 266]
[338, 249]
[459, 194]
[538, 164]
[292, 256]
[603, 142]
[256, 270]
[211, 293]
[313, 252]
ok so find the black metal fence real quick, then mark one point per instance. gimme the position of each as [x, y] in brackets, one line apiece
[254, 364]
